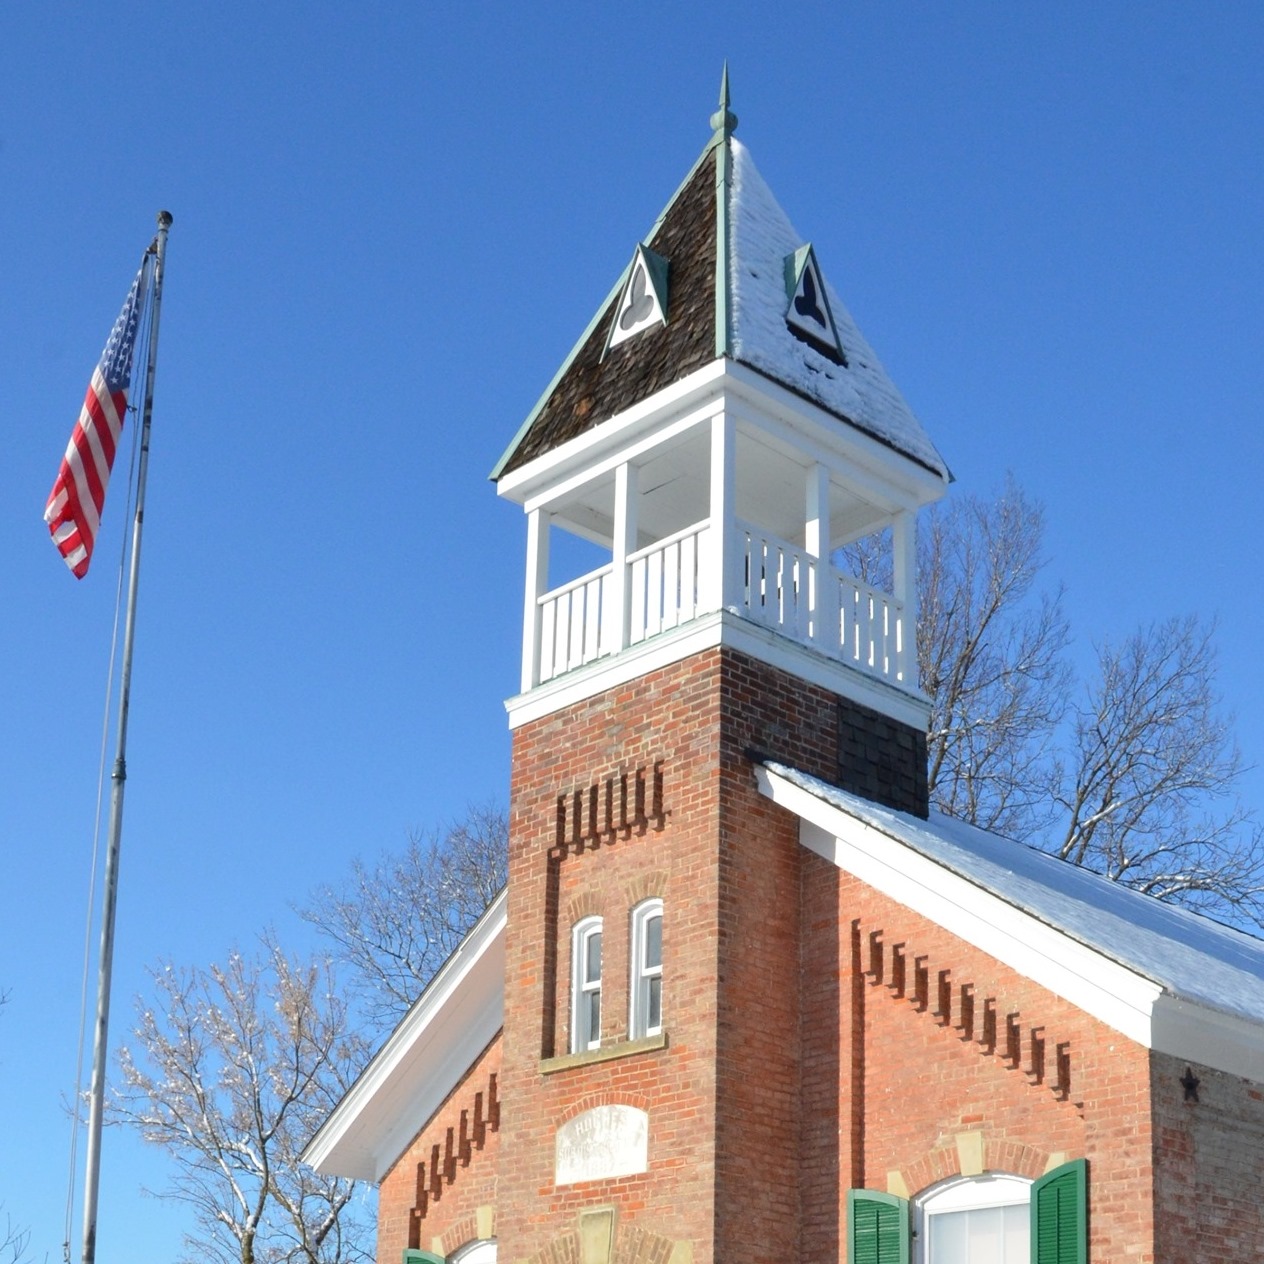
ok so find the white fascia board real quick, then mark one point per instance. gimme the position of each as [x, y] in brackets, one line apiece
[840, 441]
[609, 439]
[888, 487]
[1117, 996]
[1194, 1033]
[878, 471]
[635, 441]
[422, 1061]
[706, 632]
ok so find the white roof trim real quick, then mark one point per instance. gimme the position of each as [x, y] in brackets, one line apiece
[1126, 999]
[422, 1061]
[1118, 996]
[890, 474]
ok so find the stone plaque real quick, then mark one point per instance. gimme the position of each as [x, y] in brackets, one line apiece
[603, 1142]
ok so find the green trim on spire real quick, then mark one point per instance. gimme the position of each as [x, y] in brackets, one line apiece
[724, 121]
[602, 312]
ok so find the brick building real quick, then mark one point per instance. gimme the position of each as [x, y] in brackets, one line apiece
[744, 995]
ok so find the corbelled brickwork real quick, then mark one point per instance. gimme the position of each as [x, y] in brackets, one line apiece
[944, 1062]
[441, 1193]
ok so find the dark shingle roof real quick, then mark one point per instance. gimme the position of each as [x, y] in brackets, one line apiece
[592, 389]
[747, 224]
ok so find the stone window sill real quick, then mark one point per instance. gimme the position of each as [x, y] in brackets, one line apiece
[624, 1049]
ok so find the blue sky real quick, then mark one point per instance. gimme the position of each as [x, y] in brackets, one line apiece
[391, 223]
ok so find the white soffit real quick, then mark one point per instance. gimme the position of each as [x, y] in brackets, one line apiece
[422, 1061]
[876, 470]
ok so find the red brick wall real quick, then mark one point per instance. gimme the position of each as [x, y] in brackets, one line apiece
[563, 863]
[448, 1171]
[723, 1096]
[980, 1049]
[758, 1128]
[1209, 1164]
[819, 1035]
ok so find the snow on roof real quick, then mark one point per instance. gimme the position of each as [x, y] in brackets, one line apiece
[1190, 956]
[762, 237]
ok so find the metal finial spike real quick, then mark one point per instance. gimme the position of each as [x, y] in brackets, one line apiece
[724, 120]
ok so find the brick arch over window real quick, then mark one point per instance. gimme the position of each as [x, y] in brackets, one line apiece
[970, 1154]
[645, 886]
[603, 1097]
[475, 1252]
[585, 904]
[478, 1226]
[610, 1241]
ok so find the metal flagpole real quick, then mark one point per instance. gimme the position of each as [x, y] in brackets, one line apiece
[100, 1049]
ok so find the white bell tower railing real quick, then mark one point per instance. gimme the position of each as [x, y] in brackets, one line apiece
[719, 563]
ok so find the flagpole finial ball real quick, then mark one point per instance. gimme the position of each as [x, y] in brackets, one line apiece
[164, 219]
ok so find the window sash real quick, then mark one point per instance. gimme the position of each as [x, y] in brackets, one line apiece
[646, 991]
[586, 985]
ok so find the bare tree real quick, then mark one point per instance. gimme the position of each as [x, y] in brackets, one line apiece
[13, 1237]
[1148, 787]
[231, 1070]
[990, 654]
[395, 923]
[13, 1241]
[1137, 782]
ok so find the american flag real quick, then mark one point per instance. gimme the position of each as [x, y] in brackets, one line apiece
[73, 512]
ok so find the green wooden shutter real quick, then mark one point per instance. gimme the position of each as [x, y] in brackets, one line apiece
[877, 1228]
[413, 1256]
[1059, 1215]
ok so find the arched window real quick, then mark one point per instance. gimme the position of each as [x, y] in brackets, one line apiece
[645, 991]
[483, 1252]
[586, 985]
[993, 1219]
[975, 1220]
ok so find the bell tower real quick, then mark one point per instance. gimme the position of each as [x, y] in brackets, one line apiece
[692, 478]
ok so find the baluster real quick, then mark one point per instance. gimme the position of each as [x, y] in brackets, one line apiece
[562, 616]
[867, 610]
[671, 585]
[654, 597]
[886, 638]
[799, 578]
[779, 595]
[592, 620]
[575, 628]
[638, 602]
[548, 618]
[688, 577]
[855, 640]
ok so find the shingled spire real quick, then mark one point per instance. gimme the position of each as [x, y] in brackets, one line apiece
[736, 281]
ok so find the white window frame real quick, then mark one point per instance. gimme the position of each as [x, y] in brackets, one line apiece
[584, 988]
[964, 1193]
[478, 1252]
[643, 976]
